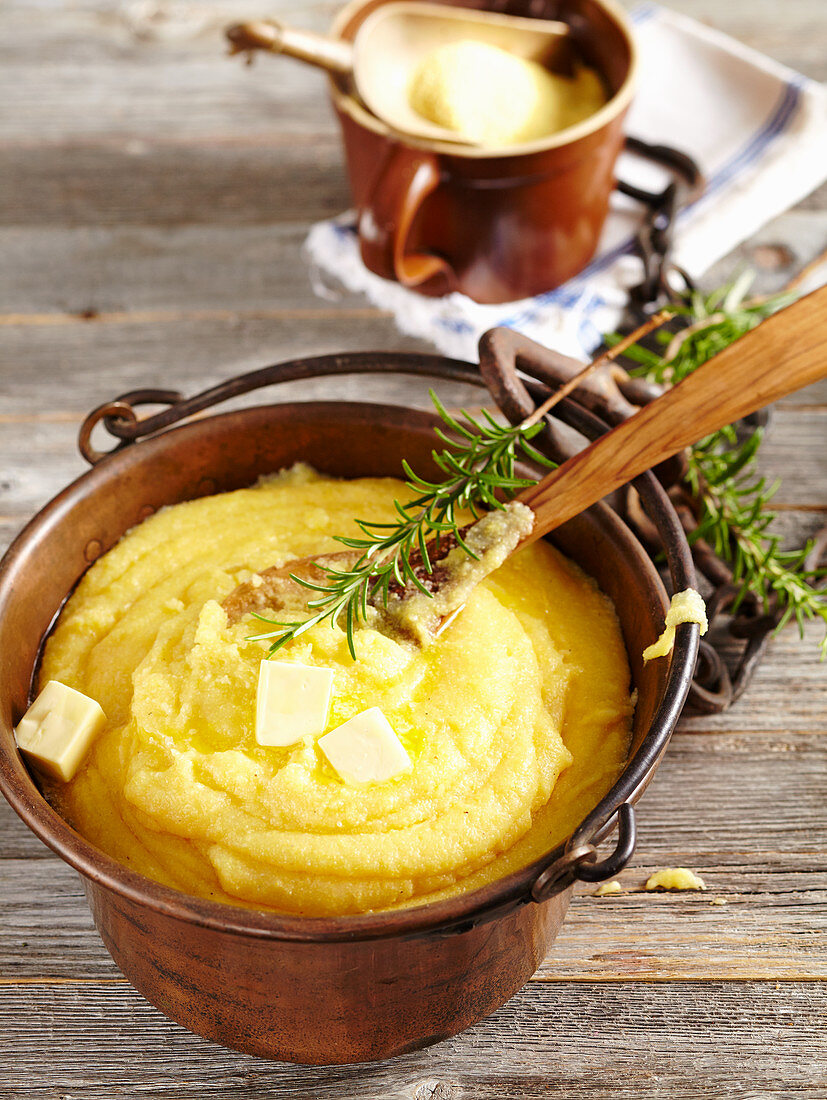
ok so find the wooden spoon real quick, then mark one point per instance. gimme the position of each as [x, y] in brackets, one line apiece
[391, 42]
[784, 353]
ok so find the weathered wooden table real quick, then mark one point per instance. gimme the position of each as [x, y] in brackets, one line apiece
[154, 202]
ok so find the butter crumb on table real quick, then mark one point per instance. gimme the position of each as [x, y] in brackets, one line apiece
[605, 888]
[675, 878]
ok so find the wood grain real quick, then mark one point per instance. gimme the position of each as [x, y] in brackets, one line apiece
[174, 185]
[736, 1039]
[151, 181]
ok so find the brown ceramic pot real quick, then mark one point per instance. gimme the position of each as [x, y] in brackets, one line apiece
[322, 990]
[496, 226]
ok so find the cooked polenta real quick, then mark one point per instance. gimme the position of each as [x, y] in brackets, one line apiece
[515, 720]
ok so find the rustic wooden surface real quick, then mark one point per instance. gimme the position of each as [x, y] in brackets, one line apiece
[153, 202]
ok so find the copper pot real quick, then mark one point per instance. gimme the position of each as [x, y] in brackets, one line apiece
[321, 990]
[497, 226]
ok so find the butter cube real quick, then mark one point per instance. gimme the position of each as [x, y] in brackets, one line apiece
[365, 749]
[58, 729]
[292, 702]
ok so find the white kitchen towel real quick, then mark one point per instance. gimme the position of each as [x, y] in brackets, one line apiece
[758, 131]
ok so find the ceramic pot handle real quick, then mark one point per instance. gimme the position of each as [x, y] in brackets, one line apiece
[406, 180]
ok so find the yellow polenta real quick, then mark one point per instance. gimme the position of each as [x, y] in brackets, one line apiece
[516, 719]
[493, 98]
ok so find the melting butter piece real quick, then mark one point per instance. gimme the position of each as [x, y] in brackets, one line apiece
[686, 607]
[58, 729]
[365, 749]
[292, 702]
[675, 878]
[489, 96]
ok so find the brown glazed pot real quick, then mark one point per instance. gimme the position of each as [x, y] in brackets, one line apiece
[350, 989]
[501, 225]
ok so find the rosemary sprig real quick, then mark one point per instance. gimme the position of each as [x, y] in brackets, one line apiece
[734, 517]
[711, 323]
[479, 461]
[735, 520]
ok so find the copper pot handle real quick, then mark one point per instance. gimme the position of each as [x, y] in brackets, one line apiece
[405, 181]
[579, 860]
[118, 417]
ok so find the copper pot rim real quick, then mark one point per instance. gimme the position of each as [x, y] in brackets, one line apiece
[570, 136]
[441, 917]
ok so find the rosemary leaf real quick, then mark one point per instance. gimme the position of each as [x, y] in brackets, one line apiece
[734, 514]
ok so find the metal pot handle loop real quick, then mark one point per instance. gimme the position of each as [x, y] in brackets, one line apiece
[110, 412]
[624, 849]
[580, 860]
[120, 420]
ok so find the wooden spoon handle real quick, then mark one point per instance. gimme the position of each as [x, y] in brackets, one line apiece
[785, 352]
[333, 54]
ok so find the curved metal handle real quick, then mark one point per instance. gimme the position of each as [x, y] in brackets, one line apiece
[118, 416]
[624, 849]
[119, 419]
[405, 181]
[505, 352]
[580, 860]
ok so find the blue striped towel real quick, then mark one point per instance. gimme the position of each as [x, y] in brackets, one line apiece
[758, 131]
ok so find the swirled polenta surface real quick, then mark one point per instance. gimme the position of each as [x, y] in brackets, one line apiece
[516, 719]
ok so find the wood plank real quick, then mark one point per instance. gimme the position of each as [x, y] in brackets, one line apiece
[94, 28]
[101, 26]
[89, 362]
[147, 183]
[208, 242]
[793, 434]
[137, 72]
[770, 926]
[161, 183]
[184, 96]
[38, 457]
[735, 1039]
[787, 691]
[779, 250]
[226, 269]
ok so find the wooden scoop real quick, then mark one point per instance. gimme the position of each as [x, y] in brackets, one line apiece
[786, 352]
[392, 41]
